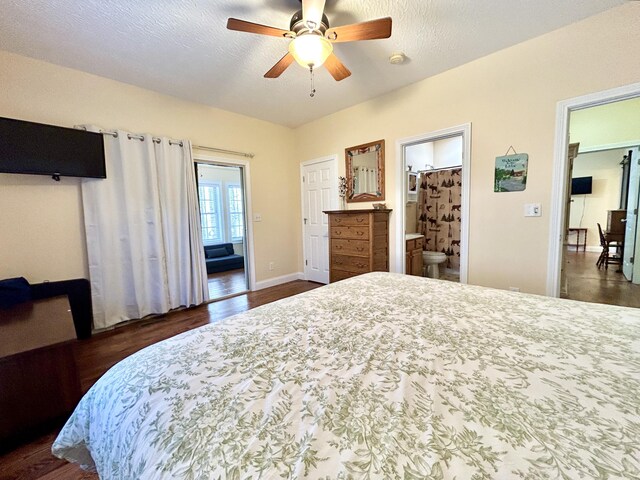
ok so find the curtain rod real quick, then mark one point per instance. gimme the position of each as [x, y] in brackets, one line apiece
[438, 169]
[222, 150]
[173, 142]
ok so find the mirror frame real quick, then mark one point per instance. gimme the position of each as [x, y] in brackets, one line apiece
[377, 146]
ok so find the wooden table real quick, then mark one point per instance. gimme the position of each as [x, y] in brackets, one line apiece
[38, 377]
[578, 244]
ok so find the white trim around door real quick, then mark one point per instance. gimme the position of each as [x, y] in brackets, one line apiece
[245, 164]
[559, 189]
[401, 188]
[332, 161]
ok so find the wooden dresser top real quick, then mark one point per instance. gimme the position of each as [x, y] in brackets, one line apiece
[36, 324]
[364, 210]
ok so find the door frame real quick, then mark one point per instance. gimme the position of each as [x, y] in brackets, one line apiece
[246, 178]
[401, 189]
[629, 253]
[334, 198]
[558, 185]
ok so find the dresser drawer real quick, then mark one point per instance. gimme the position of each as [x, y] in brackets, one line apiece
[358, 233]
[349, 219]
[337, 275]
[350, 263]
[359, 242]
[350, 247]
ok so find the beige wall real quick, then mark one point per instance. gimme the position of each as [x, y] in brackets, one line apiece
[589, 210]
[597, 128]
[510, 98]
[41, 225]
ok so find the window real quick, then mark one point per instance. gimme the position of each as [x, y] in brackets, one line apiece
[236, 215]
[211, 213]
[221, 213]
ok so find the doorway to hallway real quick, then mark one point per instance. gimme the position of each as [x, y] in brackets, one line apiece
[608, 139]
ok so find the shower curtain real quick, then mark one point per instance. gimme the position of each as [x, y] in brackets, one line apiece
[142, 223]
[439, 213]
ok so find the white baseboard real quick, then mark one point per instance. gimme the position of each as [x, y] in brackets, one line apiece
[272, 282]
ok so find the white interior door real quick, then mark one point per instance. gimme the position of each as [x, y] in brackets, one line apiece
[319, 192]
[630, 234]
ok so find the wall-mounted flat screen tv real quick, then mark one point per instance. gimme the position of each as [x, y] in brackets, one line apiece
[34, 148]
[581, 185]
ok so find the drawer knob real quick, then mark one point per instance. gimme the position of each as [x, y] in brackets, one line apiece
[338, 247]
[360, 233]
[359, 220]
[360, 249]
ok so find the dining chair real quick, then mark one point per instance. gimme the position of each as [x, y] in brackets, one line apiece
[605, 257]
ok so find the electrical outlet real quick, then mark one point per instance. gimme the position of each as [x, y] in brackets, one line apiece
[272, 265]
[257, 217]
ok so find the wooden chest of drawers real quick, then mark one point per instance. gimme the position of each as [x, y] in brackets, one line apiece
[358, 242]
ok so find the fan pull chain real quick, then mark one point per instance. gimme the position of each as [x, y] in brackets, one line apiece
[313, 90]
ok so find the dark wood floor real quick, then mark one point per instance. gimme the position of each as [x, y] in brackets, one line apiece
[227, 283]
[99, 353]
[588, 284]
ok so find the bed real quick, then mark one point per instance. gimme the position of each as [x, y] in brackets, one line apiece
[378, 376]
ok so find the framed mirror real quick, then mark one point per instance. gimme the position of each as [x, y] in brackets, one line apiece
[365, 172]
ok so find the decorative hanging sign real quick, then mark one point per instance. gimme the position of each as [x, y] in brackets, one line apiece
[511, 172]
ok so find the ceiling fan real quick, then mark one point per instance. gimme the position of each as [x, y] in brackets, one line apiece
[312, 38]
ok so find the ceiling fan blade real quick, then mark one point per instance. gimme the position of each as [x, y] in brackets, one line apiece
[371, 30]
[243, 26]
[279, 67]
[336, 68]
[312, 11]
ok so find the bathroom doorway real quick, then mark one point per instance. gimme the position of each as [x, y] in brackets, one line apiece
[433, 197]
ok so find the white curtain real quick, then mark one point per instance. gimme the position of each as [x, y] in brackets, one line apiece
[371, 180]
[366, 181]
[143, 230]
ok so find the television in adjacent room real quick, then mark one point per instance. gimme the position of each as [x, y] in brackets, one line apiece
[35, 148]
[581, 185]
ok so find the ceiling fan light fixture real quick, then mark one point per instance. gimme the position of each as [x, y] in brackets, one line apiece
[310, 50]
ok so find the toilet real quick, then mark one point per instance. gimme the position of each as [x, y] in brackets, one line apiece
[430, 262]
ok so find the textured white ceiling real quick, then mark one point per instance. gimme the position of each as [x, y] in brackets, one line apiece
[182, 48]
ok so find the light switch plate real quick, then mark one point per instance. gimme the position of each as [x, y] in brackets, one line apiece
[532, 210]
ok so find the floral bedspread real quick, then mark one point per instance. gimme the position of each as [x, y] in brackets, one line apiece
[379, 376]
